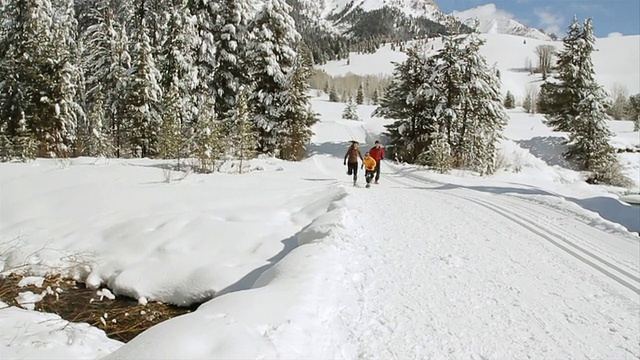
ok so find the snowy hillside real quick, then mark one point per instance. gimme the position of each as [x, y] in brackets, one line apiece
[427, 8]
[493, 21]
[617, 61]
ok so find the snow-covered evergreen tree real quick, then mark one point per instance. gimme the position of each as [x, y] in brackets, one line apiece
[206, 142]
[171, 141]
[230, 40]
[245, 135]
[205, 15]
[299, 116]
[272, 56]
[579, 105]
[559, 97]
[509, 100]
[107, 64]
[144, 94]
[350, 111]
[589, 141]
[360, 95]
[438, 155]
[67, 79]
[24, 143]
[40, 72]
[375, 98]
[333, 95]
[469, 109]
[179, 73]
[405, 101]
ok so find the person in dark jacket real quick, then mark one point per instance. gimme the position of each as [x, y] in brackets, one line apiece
[377, 153]
[351, 160]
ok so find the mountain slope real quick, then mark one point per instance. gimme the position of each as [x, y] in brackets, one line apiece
[494, 21]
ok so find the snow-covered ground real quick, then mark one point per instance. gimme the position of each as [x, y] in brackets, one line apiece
[306, 266]
[290, 261]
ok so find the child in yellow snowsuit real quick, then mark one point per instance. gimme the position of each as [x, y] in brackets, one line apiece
[369, 164]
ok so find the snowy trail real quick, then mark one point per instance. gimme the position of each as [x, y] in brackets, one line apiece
[585, 243]
[441, 276]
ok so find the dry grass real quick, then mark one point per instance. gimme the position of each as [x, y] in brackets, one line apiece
[121, 319]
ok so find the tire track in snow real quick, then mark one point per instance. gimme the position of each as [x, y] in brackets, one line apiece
[625, 278]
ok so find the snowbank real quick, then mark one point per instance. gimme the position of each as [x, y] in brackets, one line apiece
[289, 312]
[119, 224]
[33, 335]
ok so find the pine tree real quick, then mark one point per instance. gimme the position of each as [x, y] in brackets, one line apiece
[107, 64]
[144, 95]
[559, 99]
[299, 116]
[405, 101]
[469, 109]
[633, 110]
[67, 80]
[439, 154]
[509, 101]
[589, 142]
[527, 103]
[272, 56]
[171, 139]
[24, 144]
[205, 143]
[179, 74]
[350, 111]
[245, 135]
[580, 104]
[333, 95]
[360, 95]
[230, 38]
[40, 73]
[375, 98]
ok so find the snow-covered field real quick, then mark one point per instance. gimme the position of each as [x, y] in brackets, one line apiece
[290, 261]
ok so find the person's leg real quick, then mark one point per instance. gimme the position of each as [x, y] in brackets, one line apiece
[353, 169]
[378, 170]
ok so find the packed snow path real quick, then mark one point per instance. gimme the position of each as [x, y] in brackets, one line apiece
[446, 272]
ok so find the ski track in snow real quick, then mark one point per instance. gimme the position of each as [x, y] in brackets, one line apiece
[439, 275]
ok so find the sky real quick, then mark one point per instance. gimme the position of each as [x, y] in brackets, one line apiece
[610, 17]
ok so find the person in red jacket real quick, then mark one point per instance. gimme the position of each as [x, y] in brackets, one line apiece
[377, 153]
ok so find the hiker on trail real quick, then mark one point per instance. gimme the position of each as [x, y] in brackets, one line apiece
[351, 160]
[369, 164]
[377, 153]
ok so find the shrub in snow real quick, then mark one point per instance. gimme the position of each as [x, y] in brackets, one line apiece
[350, 111]
[439, 154]
[360, 95]
[509, 100]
